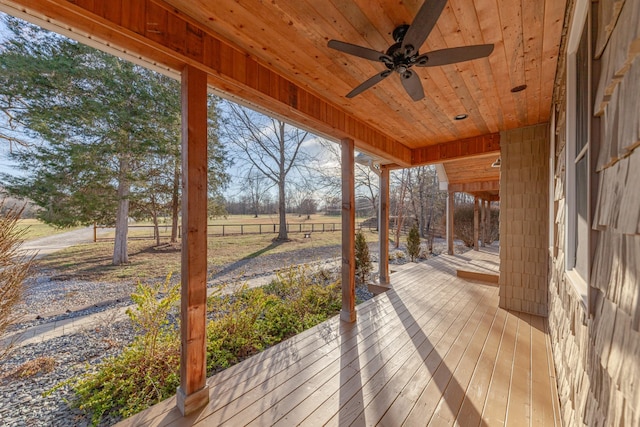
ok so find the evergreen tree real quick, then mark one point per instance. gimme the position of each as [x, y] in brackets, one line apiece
[413, 243]
[363, 259]
[104, 133]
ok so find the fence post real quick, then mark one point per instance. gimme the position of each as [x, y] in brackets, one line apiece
[260, 225]
[95, 232]
[222, 230]
[242, 229]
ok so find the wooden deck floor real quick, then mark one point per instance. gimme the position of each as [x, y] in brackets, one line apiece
[434, 350]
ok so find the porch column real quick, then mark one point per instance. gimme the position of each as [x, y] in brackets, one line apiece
[483, 223]
[193, 392]
[383, 219]
[476, 224]
[487, 223]
[348, 312]
[450, 204]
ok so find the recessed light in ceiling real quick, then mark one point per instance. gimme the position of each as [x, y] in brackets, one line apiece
[518, 88]
[461, 116]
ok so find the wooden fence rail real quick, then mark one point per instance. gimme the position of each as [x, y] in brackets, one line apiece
[142, 232]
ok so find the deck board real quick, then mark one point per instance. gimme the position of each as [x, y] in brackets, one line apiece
[322, 395]
[435, 349]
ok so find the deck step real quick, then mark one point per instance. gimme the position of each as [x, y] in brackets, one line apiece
[476, 275]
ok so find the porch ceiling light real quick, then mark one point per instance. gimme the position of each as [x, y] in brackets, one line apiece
[519, 88]
[461, 116]
[496, 164]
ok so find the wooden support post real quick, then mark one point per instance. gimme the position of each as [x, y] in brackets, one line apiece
[383, 226]
[483, 223]
[450, 237]
[348, 312]
[193, 392]
[487, 224]
[476, 224]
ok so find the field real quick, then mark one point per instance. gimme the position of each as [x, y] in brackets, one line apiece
[93, 260]
[37, 229]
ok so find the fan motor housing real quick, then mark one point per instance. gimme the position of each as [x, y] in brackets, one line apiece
[399, 32]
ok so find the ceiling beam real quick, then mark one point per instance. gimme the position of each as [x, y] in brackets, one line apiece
[455, 150]
[162, 37]
[475, 187]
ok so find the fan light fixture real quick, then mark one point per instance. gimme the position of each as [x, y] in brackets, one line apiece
[404, 54]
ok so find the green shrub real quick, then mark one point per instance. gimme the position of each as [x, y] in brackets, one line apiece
[413, 243]
[363, 260]
[147, 371]
[242, 323]
[250, 320]
[132, 381]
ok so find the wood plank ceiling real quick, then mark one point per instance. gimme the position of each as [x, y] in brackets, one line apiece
[285, 42]
[291, 37]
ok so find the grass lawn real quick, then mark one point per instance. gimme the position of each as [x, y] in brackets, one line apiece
[36, 229]
[92, 261]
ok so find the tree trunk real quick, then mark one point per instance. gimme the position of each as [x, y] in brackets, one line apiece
[175, 201]
[282, 210]
[120, 255]
[156, 227]
[282, 207]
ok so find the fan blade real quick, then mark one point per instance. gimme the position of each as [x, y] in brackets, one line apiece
[369, 83]
[362, 52]
[422, 25]
[454, 54]
[412, 85]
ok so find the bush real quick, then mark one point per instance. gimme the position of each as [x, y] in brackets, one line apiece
[131, 382]
[250, 320]
[147, 371]
[14, 268]
[363, 259]
[241, 324]
[413, 243]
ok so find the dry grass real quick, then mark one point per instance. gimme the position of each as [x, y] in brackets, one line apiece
[39, 365]
[35, 229]
[14, 268]
[92, 261]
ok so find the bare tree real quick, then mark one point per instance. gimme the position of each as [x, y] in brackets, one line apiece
[329, 179]
[271, 146]
[399, 197]
[427, 201]
[366, 185]
[257, 190]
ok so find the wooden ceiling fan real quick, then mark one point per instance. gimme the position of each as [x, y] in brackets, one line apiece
[404, 53]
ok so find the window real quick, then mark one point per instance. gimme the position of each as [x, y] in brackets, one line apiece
[577, 150]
